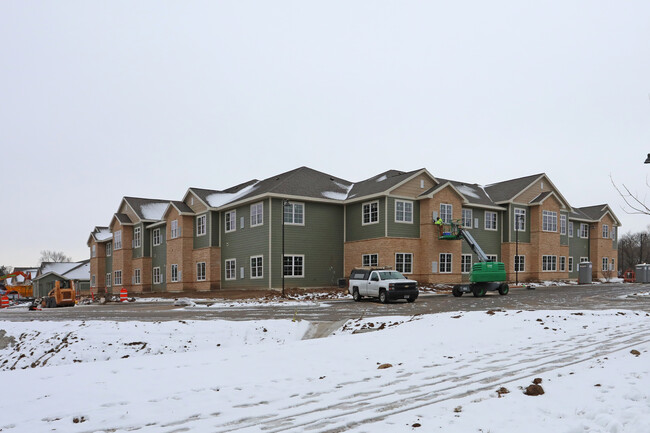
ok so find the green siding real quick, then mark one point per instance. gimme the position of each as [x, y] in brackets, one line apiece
[524, 236]
[356, 231]
[403, 230]
[202, 241]
[488, 240]
[137, 252]
[159, 259]
[109, 261]
[578, 247]
[243, 243]
[214, 229]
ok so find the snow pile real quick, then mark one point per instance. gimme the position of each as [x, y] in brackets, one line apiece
[451, 372]
[153, 211]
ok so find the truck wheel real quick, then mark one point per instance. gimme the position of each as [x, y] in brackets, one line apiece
[478, 291]
[503, 289]
[410, 299]
[383, 298]
[456, 292]
[355, 295]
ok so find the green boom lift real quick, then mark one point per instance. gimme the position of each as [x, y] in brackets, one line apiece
[485, 275]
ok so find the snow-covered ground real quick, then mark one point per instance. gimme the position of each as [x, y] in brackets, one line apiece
[400, 374]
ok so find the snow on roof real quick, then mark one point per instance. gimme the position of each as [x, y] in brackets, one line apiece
[153, 211]
[467, 190]
[381, 179]
[221, 198]
[79, 273]
[103, 234]
[337, 195]
[59, 267]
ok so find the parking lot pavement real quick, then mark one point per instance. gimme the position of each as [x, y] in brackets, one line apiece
[571, 297]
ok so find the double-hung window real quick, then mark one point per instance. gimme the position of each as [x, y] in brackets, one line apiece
[136, 277]
[562, 263]
[200, 271]
[201, 225]
[403, 211]
[94, 251]
[231, 221]
[174, 275]
[520, 220]
[370, 213]
[174, 229]
[549, 221]
[467, 218]
[157, 240]
[570, 264]
[370, 260]
[520, 263]
[156, 275]
[137, 237]
[108, 279]
[446, 212]
[118, 278]
[465, 263]
[293, 266]
[570, 229]
[117, 240]
[294, 213]
[605, 231]
[445, 263]
[490, 220]
[563, 224]
[584, 230]
[231, 269]
[257, 214]
[491, 257]
[404, 263]
[549, 263]
[605, 264]
[257, 267]
[109, 248]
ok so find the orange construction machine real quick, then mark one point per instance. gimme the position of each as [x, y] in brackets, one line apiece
[59, 296]
[25, 289]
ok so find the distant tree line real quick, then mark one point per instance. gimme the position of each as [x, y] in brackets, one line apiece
[634, 248]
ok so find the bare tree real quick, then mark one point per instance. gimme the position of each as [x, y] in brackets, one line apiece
[54, 256]
[635, 205]
[4, 270]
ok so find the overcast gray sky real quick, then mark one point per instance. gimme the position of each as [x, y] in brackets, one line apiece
[99, 100]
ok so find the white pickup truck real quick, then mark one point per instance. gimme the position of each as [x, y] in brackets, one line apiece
[385, 284]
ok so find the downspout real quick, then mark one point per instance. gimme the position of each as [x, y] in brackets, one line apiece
[270, 242]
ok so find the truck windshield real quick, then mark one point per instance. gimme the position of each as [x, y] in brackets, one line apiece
[391, 275]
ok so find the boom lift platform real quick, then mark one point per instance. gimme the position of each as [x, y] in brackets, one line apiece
[485, 275]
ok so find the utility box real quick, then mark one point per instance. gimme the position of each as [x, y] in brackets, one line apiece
[584, 273]
[641, 272]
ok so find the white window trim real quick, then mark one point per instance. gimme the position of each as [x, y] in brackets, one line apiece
[173, 230]
[156, 236]
[137, 237]
[109, 279]
[293, 265]
[201, 276]
[93, 281]
[587, 230]
[173, 279]
[292, 205]
[451, 263]
[261, 274]
[451, 212]
[562, 266]
[205, 225]
[115, 278]
[550, 216]
[523, 220]
[369, 204]
[117, 240]
[404, 221]
[570, 264]
[157, 276]
[137, 276]
[522, 258]
[571, 228]
[605, 231]
[109, 249]
[584, 259]
[471, 217]
[261, 213]
[94, 251]
[404, 256]
[230, 221]
[469, 270]
[492, 258]
[604, 264]
[496, 221]
[563, 225]
[232, 271]
[369, 256]
[549, 262]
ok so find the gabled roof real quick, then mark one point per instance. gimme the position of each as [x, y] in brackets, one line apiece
[147, 209]
[509, 189]
[100, 234]
[596, 213]
[67, 270]
[472, 193]
[123, 219]
[380, 183]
